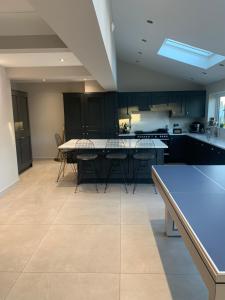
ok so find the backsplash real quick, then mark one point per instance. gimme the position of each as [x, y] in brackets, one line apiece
[148, 121]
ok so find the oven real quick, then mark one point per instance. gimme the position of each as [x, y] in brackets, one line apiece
[163, 136]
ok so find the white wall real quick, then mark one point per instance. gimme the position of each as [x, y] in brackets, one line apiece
[104, 14]
[148, 121]
[46, 112]
[135, 78]
[8, 160]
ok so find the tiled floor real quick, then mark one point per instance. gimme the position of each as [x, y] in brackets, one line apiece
[57, 245]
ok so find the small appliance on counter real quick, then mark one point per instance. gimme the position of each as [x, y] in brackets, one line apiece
[197, 127]
[177, 129]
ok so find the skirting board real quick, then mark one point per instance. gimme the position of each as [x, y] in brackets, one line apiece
[2, 192]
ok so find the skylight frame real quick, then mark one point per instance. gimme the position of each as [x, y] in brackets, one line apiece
[189, 54]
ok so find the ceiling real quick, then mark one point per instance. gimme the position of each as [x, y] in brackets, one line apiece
[198, 23]
[50, 59]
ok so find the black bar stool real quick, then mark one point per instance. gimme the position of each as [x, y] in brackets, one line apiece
[144, 156]
[64, 156]
[86, 157]
[115, 159]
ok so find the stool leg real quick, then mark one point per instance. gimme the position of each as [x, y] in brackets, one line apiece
[135, 176]
[61, 167]
[78, 182]
[108, 175]
[96, 174]
[124, 176]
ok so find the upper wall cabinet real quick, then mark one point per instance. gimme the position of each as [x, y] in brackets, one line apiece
[195, 104]
[190, 104]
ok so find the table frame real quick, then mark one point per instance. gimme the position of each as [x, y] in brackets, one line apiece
[214, 280]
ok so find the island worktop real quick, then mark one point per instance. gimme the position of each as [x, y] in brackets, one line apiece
[102, 147]
[117, 144]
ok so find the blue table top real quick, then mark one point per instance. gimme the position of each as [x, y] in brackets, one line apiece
[199, 192]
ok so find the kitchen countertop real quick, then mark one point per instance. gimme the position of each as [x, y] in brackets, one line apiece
[116, 144]
[214, 141]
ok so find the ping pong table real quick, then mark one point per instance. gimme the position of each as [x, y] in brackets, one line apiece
[194, 198]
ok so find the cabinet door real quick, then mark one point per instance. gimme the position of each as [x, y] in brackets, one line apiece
[110, 115]
[23, 115]
[73, 112]
[26, 155]
[195, 104]
[177, 149]
[160, 98]
[94, 110]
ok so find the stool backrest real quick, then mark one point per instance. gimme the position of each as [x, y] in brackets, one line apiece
[115, 143]
[84, 144]
[145, 143]
[58, 140]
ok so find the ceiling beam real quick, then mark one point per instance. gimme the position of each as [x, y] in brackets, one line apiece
[76, 23]
[31, 42]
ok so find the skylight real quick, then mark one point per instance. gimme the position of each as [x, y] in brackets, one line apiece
[189, 54]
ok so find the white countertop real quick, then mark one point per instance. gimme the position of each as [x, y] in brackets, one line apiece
[214, 141]
[116, 144]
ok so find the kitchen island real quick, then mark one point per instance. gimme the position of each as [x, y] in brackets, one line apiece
[129, 146]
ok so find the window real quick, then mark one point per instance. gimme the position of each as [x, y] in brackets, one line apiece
[222, 111]
[189, 54]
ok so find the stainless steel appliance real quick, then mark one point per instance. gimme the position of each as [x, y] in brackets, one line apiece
[197, 127]
[161, 134]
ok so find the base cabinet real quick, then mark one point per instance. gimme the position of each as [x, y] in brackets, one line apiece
[185, 149]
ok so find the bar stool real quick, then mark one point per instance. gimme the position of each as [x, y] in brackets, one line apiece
[115, 159]
[63, 156]
[143, 156]
[86, 157]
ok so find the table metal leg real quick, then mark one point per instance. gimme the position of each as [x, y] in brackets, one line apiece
[217, 293]
[170, 226]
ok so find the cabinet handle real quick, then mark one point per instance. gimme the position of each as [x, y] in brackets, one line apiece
[212, 149]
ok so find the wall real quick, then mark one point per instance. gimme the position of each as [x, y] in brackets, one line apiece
[46, 112]
[92, 86]
[104, 15]
[8, 160]
[148, 121]
[135, 78]
[213, 89]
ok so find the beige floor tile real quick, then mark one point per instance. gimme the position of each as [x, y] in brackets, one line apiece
[90, 212]
[79, 248]
[141, 209]
[66, 287]
[187, 287]
[7, 280]
[17, 244]
[173, 252]
[144, 287]
[31, 211]
[139, 252]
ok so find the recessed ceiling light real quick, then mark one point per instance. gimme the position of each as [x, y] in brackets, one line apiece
[43, 79]
[221, 65]
[140, 52]
[144, 40]
[62, 59]
[150, 21]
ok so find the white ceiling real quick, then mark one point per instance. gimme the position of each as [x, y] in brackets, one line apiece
[15, 6]
[52, 59]
[199, 23]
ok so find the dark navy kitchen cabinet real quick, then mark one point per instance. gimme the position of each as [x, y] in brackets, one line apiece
[74, 115]
[111, 126]
[195, 104]
[177, 151]
[92, 115]
[22, 130]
